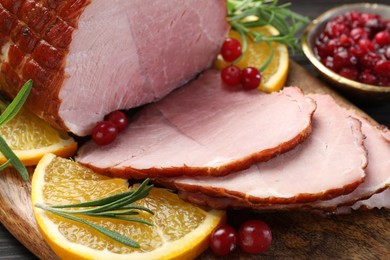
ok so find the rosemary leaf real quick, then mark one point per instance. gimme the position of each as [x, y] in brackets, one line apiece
[117, 206]
[14, 107]
[244, 15]
[98, 202]
[107, 232]
[13, 159]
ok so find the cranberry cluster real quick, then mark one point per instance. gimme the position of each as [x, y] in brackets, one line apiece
[357, 46]
[249, 77]
[105, 132]
[253, 237]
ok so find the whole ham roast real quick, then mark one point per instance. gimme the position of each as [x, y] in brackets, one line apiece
[90, 57]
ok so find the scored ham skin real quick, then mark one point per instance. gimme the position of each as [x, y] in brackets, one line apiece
[88, 58]
[204, 129]
[329, 163]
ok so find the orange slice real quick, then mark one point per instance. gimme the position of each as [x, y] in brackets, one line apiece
[30, 138]
[275, 75]
[180, 231]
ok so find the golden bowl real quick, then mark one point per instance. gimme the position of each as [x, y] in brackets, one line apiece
[350, 88]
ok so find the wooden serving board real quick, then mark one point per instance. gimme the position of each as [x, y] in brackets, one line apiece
[296, 235]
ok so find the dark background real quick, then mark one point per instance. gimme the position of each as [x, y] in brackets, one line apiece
[10, 248]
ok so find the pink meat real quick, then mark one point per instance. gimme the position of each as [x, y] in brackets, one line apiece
[377, 143]
[205, 129]
[379, 200]
[329, 163]
[377, 171]
[88, 58]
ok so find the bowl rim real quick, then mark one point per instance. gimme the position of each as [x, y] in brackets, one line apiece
[333, 76]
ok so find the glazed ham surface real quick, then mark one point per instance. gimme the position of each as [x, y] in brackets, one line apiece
[90, 57]
[329, 163]
[204, 129]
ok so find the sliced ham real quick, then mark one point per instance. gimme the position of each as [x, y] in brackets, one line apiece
[205, 129]
[377, 171]
[377, 143]
[329, 163]
[88, 58]
[379, 201]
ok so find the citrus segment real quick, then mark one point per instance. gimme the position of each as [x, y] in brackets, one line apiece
[275, 75]
[180, 230]
[30, 138]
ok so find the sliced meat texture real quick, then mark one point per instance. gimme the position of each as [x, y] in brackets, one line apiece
[88, 58]
[377, 171]
[329, 163]
[205, 129]
[379, 200]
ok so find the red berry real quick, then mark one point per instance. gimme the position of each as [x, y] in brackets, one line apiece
[250, 78]
[368, 77]
[254, 236]
[104, 133]
[231, 49]
[349, 72]
[382, 38]
[118, 118]
[382, 68]
[223, 240]
[231, 75]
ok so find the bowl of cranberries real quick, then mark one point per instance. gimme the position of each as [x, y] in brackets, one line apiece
[350, 47]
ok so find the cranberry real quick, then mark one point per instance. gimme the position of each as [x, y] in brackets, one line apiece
[118, 118]
[231, 75]
[366, 45]
[250, 78]
[368, 77]
[104, 133]
[231, 49]
[382, 38]
[223, 240]
[384, 81]
[349, 72]
[382, 68]
[254, 236]
[342, 58]
[357, 46]
[358, 33]
[369, 60]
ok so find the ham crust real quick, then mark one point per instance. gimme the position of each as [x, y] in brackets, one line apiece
[88, 58]
[34, 38]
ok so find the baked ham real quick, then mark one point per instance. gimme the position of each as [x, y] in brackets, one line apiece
[88, 58]
[367, 195]
[331, 162]
[204, 129]
[377, 171]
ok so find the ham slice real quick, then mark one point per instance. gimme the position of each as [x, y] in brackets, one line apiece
[379, 200]
[204, 129]
[377, 143]
[329, 163]
[88, 58]
[377, 171]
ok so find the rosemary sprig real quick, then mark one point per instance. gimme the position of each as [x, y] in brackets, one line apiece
[244, 15]
[8, 112]
[117, 206]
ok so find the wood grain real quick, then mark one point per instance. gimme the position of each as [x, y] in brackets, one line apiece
[297, 235]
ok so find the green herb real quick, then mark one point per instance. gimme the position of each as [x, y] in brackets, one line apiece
[118, 206]
[244, 15]
[8, 112]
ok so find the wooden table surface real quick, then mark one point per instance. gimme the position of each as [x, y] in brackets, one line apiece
[10, 248]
